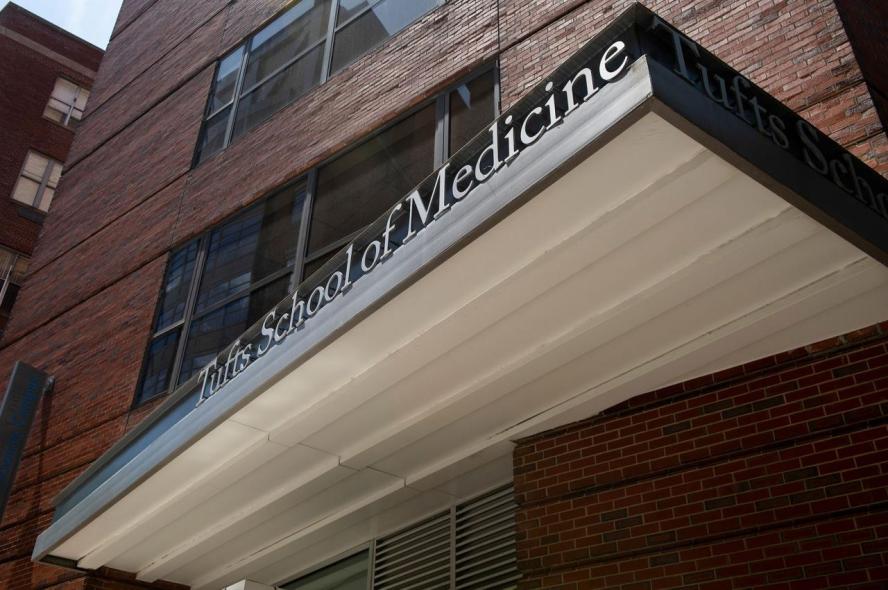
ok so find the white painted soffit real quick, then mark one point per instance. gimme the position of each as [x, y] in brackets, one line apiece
[651, 261]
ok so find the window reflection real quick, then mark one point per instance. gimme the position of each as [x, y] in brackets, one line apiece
[245, 264]
[290, 56]
[285, 38]
[209, 334]
[159, 365]
[471, 109]
[176, 284]
[360, 185]
[381, 21]
[250, 247]
[281, 89]
[348, 574]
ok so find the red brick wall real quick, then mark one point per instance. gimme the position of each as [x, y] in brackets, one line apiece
[90, 350]
[757, 477]
[28, 78]
[128, 194]
[796, 50]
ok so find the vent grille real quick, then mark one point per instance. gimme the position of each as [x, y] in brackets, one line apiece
[485, 543]
[470, 547]
[416, 558]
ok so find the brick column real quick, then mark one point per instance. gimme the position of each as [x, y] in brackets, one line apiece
[760, 476]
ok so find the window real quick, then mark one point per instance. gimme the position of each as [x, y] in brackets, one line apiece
[363, 24]
[66, 103]
[469, 547]
[216, 286]
[13, 267]
[37, 182]
[291, 55]
[347, 574]
[394, 161]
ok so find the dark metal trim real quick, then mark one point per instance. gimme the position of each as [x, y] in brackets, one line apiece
[189, 307]
[235, 102]
[779, 171]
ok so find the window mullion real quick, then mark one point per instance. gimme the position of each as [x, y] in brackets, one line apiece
[189, 309]
[44, 180]
[328, 48]
[245, 292]
[453, 547]
[496, 90]
[355, 17]
[311, 187]
[7, 276]
[371, 564]
[280, 69]
[441, 107]
[72, 106]
[219, 110]
[167, 329]
[334, 246]
[229, 129]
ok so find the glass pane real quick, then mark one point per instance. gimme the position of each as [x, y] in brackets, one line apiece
[313, 266]
[289, 35]
[213, 138]
[360, 185]
[58, 105]
[255, 244]
[380, 22]
[210, 333]
[282, 89]
[349, 574]
[263, 300]
[6, 260]
[65, 91]
[54, 174]
[35, 166]
[25, 190]
[45, 199]
[176, 284]
[159, 365]
[226, 79]
[349, 8]
[471, 110]
[82, 98]
[54, 113]
[9, 298]
[20, 269]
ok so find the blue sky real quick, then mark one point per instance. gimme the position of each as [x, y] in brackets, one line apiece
[92, 20]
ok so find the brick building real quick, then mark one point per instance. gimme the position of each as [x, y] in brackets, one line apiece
[47, 73]
[462, 294]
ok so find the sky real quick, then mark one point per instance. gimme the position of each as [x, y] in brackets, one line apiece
[92, 20]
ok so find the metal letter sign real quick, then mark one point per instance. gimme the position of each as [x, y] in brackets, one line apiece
[17, 411]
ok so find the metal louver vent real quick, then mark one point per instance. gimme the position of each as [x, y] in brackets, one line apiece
[485, 543]
[415, 559]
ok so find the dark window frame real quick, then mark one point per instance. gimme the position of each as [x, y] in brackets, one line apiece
[239, 93]
[302, 258]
